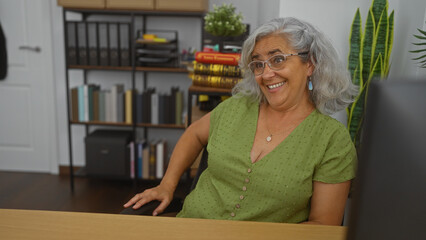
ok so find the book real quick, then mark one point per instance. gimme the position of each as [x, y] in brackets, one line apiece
[102, 106]
[214, 81]
[81, 111]
[218, 58]
[140, 160]
[108, 103]
[161, 154]
[161, 109]
[115, 91]
[179, 108]
[216, 69]
[168, 111]
[139, 107]
[129, 106]
[74, 104]
[146, 105]
[96, 105]
[132, 159]
[155, 98]
[120, 107]
[90, 100]
[172, 102]
[152, 160]
[145, 160]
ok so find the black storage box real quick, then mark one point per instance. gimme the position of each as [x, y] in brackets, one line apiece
[107, 153]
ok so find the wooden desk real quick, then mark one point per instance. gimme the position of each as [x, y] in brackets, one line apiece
[32, 224]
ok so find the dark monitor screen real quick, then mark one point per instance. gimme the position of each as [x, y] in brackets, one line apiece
[389, 200]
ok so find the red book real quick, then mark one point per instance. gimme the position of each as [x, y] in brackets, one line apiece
[218, 58]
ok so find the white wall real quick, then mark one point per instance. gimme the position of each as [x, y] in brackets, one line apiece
[334, 18]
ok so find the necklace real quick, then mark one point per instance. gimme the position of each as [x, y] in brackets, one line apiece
[269, 137]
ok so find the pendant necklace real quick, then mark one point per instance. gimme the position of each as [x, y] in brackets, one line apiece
[269, 137]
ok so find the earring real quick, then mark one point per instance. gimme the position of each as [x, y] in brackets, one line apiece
[310, 87]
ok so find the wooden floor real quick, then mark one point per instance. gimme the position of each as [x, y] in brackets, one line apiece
[40, 191]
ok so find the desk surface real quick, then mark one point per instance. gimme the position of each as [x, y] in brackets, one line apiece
[33, 224]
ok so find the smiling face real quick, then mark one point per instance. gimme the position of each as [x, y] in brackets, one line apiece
[286, 88]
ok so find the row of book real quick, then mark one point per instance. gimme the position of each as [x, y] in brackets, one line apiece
[90, 103]
[214, 69]
[98, 43]
[150, 160]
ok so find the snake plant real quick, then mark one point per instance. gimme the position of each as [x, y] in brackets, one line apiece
[422, 58]
[369, 58]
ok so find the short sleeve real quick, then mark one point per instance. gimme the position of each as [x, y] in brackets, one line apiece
[340, 160]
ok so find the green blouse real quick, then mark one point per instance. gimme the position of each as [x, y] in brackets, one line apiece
[278, 187]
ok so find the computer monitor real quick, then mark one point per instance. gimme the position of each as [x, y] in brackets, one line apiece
[389, 198]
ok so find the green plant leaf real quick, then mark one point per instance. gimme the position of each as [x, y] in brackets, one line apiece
[380, 40]
[419, 37]
[417, 51]
[391, 22]
[377, 69]
[377, 8]
[355, 43]
[419, 44]
[419, 57]
[423, 32]
[352, 110]
[367, 46]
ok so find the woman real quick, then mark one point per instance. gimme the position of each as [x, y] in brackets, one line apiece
[274, 154]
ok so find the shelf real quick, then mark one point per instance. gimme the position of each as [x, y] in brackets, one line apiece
[137, 12]
[162, 69]
[160, 125]
[120, 124]
[209, 90]
[125, 68]
[89, 67]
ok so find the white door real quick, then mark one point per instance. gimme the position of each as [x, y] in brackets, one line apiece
[27, 125]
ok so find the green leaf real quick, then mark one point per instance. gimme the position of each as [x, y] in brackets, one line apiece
[390, 42]
[417, 51]
[356, 115]
[423, 32]
[377, 69]
[367, 46]
[419, 44]
[350, 108]
[419, 57]
[419, 37]
[355, 43]
[377, 8]
[381, 39]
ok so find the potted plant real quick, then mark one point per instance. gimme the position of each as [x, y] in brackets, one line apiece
[224, 24]
[369, 58]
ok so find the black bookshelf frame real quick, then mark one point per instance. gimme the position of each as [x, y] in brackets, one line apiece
[133, 14]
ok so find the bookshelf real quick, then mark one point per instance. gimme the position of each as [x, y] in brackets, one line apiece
[130, 64]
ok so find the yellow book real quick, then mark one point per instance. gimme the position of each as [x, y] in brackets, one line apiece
[129, 106]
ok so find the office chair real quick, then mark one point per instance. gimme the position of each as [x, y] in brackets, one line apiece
[177, 203]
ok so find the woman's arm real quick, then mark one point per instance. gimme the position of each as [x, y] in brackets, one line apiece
[328, 203]
[189, 146]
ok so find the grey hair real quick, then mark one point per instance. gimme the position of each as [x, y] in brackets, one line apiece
[332, 86]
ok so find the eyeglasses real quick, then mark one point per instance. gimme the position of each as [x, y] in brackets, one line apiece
[275, 62]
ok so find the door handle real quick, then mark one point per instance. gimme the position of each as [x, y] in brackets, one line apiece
[35, 49]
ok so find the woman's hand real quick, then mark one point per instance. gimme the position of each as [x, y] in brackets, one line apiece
[160, 193]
